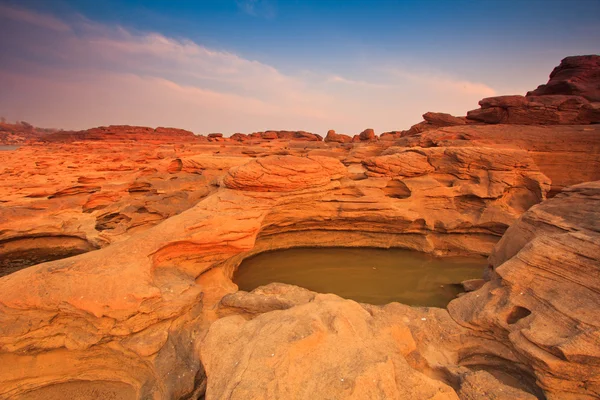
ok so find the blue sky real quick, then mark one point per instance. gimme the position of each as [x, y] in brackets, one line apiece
[243, 65]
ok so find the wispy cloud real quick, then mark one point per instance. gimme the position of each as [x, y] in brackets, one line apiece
[346, 81]
[76, 73]
[443, 82]
[258, 8]
[33, 18]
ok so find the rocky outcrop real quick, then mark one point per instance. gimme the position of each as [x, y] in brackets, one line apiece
[123, 133]
[392, 135]
[543, 297]
[215, 137]
[55, 204]
[239, 137]
[537, 110]
[566, 154]
[283, 135]
[434, 120]
[368, 135]
[337, 137]
[326, 348]
[575, 76]
[284, 174]
[571, 97]
[20, 132]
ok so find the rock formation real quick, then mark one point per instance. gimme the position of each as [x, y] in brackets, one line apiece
[337, 137]
[575, 76]
[20, 132]
[571, 97]
[542, 300]
[119, 245]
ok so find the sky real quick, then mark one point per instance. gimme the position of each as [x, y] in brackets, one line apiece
[253, 65]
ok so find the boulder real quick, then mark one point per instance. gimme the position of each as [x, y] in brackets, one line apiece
[239, 137]
[367, 135]
[337, 137]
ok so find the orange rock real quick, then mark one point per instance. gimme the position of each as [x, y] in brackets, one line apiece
[337, 137]
[284, 173]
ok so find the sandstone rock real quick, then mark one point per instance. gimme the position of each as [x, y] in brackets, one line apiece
[172, 132]
[203, 162]
[282, 135]
[536, 110]
[442, 119]
[133, 316]
[240, 137]
[275, 296]
[283, 174]
[326, 348]
[269, 135]
[575, 76]
[311, 137]
[570, 97]
[482, 385]
[123, 133]
[542, 300]
[367, 135]
[558, 151]
[434, 120]
[337, 137]
[462, 205]
[471, 285]
[392, 135]
[20, 133]
[404, 164]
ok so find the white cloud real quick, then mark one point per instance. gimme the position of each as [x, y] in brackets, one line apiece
[84, 74]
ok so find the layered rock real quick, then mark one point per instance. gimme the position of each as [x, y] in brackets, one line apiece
[537, 110]
[566, 154]
[123, 133]
[571, 97]
[543, 297]
[283, 135]
[575, 76]
[284, 173]
[434, 120]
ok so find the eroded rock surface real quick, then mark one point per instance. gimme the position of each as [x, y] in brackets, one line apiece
[576, 76]
[543, 299]
[164, 218]
[326, 348]
[571, 96]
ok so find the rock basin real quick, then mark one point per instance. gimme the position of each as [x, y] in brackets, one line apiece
[366, 275]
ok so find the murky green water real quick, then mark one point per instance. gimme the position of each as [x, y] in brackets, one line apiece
[368, 275]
